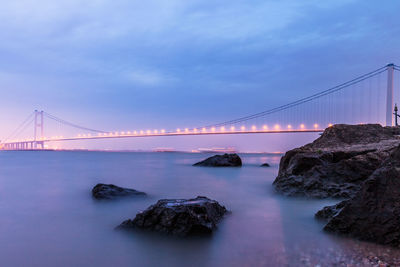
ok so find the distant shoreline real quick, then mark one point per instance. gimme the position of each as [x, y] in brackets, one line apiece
[142, 151]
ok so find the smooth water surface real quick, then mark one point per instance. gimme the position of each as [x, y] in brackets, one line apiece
[49, 218]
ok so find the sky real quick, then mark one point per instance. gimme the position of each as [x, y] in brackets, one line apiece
[127, 64]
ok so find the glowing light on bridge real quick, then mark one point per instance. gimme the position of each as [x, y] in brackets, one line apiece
[243, 128]
[186, 130]
[277, 126]
[315, 125]
[330, 125]
[162, 131]
[195, 130]
[156, 131]
[222, 129]
[141, 132]
[302, 126]
[213, 129]
[265, 127]
[254, 128]
[289, 126]
[232, 128]
[204, 130]
[178, 130]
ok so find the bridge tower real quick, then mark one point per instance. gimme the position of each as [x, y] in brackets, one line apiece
[38, 124]
[389, 95]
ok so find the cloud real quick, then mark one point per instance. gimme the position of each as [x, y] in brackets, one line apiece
[148, 78]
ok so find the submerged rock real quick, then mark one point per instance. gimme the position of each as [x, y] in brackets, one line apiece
[226, 160]
[374, 213]
[110, 191]
[179, 216]
[265, 165]
[337, 163]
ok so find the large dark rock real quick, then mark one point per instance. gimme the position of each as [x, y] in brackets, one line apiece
[179, 216]
[265, 165]
[374, 213]
[110, 191]
[337, 163]
[226, 160]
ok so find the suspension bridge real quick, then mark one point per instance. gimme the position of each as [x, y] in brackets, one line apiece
[368, 98]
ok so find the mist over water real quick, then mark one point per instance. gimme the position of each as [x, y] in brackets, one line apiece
[49, 218]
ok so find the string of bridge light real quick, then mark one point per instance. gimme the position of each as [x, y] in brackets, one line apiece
[185, 131]
[204, 130]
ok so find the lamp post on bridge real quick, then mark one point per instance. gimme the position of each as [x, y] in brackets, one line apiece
[396, 115]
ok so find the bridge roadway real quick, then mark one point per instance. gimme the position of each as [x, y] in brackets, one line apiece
[32, 144]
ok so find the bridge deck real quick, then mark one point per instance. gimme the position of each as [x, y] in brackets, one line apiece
[182, 133]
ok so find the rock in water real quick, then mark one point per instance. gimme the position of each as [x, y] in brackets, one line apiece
[180, 217]
[226, 160]
[265, 165]
[374, 213]
[110, 191]
[337, 163]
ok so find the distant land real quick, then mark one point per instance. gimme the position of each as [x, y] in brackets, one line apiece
[158, 150]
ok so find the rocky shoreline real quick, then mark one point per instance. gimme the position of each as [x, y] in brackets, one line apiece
[360, 163]
[337, 163]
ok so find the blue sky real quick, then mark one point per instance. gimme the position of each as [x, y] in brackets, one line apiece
[166, 64]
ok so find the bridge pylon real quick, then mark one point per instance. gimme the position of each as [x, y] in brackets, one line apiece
[38, 124]
[389, 95]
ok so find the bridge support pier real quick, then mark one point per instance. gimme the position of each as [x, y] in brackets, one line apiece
[389, 95]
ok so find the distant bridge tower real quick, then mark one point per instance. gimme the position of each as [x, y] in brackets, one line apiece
[38, 124]
[389, 95]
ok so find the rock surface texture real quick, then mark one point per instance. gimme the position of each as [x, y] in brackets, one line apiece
[180, 217]
[374, 213]
[329, 212]
[337, 163]
[110, 191]
[226, 160]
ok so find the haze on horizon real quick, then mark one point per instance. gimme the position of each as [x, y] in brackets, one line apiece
[117, 65]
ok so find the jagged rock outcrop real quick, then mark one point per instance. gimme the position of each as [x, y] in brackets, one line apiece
[337, 163]
[374, 213]
[265, 165]
[180, 217]
[110, 191]
[329, 212]
[226, 160]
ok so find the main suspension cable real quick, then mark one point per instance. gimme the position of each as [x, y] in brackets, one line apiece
[304, 100]
[71, 124]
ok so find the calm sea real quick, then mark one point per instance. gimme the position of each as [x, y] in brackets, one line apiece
[49, 218]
